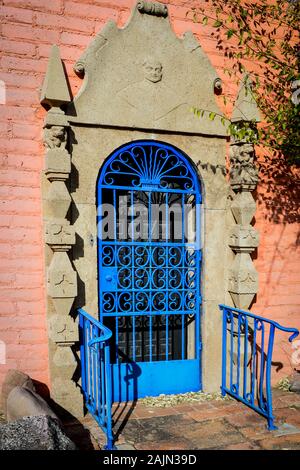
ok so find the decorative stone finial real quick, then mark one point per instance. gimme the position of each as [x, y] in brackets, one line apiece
[55, 91]
[245, 108]
[157, 9]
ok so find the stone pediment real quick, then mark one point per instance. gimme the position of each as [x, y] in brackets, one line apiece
[144, 76]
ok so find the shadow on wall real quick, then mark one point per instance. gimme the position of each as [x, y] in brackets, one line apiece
[279, 191]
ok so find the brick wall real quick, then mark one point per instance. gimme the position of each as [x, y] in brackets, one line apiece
[28, 28]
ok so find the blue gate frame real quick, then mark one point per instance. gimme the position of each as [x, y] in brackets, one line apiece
[149, 286]
[247, 348]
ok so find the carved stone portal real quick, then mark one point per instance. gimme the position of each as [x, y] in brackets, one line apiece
[139, 82]
[243, 238]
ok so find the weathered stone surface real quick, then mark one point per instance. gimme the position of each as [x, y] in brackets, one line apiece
[62, 279]
[295, 385]
[59, 232]
[58, 164]
[243, 208]
[245, 108]
[64, 356]
[66, 393]
[23, 402]
[243, 172]
[243, 276]
[117, 89]
[63, 329]
[55, 90]
[150, 8]
[57, 201]
[14, 378]
[34, 433]
[243, 238]
[134, 82]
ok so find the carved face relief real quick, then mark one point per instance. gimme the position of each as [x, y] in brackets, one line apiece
[243, 169]
[55, 137]
[152, 70]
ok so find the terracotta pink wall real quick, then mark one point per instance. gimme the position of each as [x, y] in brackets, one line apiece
[28, 28]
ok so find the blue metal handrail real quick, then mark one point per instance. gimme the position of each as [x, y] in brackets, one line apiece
[246, 362]
[96, 372]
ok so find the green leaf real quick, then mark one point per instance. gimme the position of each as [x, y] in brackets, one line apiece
[217, 24]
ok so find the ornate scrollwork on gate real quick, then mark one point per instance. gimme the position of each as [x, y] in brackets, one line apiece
[149, 166]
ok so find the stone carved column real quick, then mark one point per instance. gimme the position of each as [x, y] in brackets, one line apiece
[60, 237]
[243, 238]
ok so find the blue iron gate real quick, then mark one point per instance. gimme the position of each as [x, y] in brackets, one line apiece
[96, 372]
[148, 198]
[247, 349]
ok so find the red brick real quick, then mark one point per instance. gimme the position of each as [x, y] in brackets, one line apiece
[24, 64]
[15, 113]
[32, 322]
[5, 129]
[20, 145]
[19, 98]
[19, 178]
[66, 53]
[20, 294]
[19, 351]
[54, 5]
[65, 22]
[26, 131]
[11, 14]
[30, 206]
[32, 308]
[7, 307]
[6, 279]
[8, 192]
[32, 279]
[75, 39]
[27, 250]
[90, 11]
[28, 32]
[22, 265]
[32, 337]
[24, 80]
[20, 48]
[25, 162]
[21, 220]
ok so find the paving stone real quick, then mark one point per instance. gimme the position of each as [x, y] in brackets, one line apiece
[242, 446]
[257, 432]
[211, 413]
[284, 443]
[125, 447]
[210, 434]
[290, 415]
[226, 425]
[182, 444]
[183, 408]
[245, 419]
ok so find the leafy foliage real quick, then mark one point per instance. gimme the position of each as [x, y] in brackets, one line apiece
[261, 37]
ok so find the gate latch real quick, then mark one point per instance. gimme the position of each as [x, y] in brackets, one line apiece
[108, 279]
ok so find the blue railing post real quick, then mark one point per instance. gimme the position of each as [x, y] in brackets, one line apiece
[96, 372]
[260, 370]
[82, 353]
[270, 417]
[108, 393]
[224, 355]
